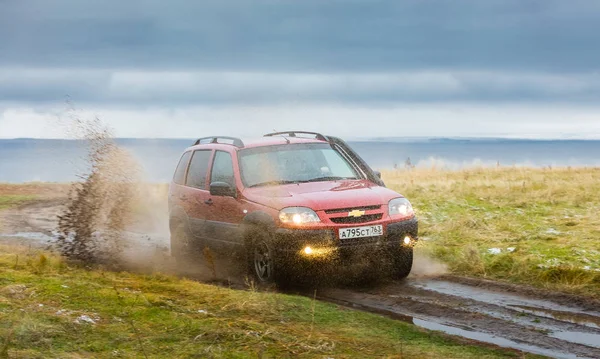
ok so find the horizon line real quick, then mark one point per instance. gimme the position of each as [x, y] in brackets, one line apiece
[362, 138]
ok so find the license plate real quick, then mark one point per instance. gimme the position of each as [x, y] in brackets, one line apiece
[359, 232]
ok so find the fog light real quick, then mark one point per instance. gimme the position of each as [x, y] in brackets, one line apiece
[407, 240]
[308, 250]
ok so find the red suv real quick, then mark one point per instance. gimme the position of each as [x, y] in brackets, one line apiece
[289, 197]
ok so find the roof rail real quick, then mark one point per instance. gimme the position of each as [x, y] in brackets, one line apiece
[215, 139]
[317, 135]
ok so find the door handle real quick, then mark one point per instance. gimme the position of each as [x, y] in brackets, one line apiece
[209, 201]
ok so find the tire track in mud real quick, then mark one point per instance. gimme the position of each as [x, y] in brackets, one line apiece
[518, 317]
[531, 324]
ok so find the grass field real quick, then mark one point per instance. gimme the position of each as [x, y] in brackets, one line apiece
[532, 226]
[49, 308]
[545, 223]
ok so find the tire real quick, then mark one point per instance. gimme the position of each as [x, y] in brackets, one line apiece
[182, 248]
[402, 262]
[261, 259]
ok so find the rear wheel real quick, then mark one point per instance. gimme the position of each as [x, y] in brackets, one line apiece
[402, 262]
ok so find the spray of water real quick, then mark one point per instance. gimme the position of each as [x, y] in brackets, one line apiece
[99, 205]
[112, 216]
[424, 266]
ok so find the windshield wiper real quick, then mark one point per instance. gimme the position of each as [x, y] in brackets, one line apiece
[329, 178]
[272, 183]
[316, 179]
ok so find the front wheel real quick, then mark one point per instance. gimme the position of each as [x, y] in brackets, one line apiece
[262, 262]
[402, 262]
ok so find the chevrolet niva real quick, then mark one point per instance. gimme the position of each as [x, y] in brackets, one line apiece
[288, 197]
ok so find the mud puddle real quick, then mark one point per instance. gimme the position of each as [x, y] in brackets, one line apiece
[572, 317]
[534, 325]
[540, 306]
[491, 339]
[463, 332]
[33, 238]
[578, 337]
[139, 250]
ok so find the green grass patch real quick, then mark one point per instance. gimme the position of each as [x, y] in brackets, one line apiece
[49, 308]
[547, 217]
[10, 200]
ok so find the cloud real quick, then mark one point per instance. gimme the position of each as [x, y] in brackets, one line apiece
[302, 36]
[175, 88]
[522, 121]
[433, 67]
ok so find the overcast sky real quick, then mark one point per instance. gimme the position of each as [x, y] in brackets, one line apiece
[355, 68]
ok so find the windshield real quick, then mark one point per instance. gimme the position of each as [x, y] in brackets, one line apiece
[272, 165]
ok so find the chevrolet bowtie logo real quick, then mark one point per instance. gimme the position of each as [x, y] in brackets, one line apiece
[356, 213]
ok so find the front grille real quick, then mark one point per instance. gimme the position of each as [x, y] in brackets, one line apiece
[341, 210]
[361, 219]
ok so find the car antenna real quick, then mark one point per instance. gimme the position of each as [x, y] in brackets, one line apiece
[287, 140]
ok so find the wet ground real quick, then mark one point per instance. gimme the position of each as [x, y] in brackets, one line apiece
[522, 318]
[536, 324]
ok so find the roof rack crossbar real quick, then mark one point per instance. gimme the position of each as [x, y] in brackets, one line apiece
[317, 135]
[215, 139]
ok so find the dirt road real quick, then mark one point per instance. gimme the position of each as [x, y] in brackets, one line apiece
[521, 318]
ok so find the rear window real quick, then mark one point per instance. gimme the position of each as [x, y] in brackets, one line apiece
[179, 176]
[198, 169]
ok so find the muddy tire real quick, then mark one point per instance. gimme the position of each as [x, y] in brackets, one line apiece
[261, 259]
[402, 262]
[263, 266]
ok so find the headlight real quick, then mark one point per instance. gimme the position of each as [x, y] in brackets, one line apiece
[298, 216]
[400, 207]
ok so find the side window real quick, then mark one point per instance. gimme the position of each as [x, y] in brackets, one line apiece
[198, 169]
[223, 169]
[179, 176]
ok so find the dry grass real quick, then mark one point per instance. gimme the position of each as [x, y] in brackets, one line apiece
[549, 216]
[37, 189]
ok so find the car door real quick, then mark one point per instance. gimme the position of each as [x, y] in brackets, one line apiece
[227, 214]
[196, 194]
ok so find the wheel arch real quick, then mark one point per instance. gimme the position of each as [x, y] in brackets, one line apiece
[258, 220]
[177, 216]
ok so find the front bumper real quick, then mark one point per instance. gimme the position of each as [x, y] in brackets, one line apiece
[326, 240]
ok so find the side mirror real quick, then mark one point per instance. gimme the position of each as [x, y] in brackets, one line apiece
[222, 189]
[377, 173]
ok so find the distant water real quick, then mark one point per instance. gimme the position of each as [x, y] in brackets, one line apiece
[24, 160]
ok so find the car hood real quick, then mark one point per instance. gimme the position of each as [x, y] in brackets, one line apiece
[322, 195]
